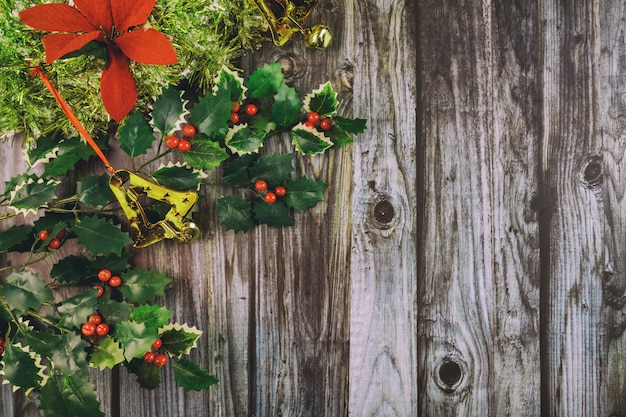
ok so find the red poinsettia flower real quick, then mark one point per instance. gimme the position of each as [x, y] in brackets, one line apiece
[114, 23]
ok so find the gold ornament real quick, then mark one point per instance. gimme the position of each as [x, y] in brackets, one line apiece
[285, 17]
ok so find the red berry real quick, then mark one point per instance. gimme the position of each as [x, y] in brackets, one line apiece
[280, 191]
[171, 142]
[100, 289]
[189, 131]
[43, 235]
[326, 123]
[88, 329]
[115, 281]
[95, 319]
[148, 357]
[102, 329]
[61, 234]
[236, 108]
[260, 185]
[54, 243]
[160, 360]
[184, 145]
[270, 198]
[234, 118]
[1, 341]
[157, 344]
[251, 109]
[309, 125]
[104, 275]
[313, 117]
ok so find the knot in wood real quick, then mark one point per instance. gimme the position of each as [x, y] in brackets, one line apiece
[592, 172]
[451, 374]
[384, 211]
[291, 65]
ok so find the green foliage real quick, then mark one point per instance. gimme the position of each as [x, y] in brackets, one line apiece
[178, 177]
[135, 338]
[323, 100]
[191, 377]
[135, 135]
[100, 236]
[205, 154]
[309, 141]
[107, 354]
[94, 191]
[30, 195]
[179, 339]
[71, 395]
[167, 110]
[21, 367]
[74, 311]
[143, 285]
[24, 290]
[235, 213]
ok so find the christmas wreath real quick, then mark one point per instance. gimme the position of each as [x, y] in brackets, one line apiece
[159, 78]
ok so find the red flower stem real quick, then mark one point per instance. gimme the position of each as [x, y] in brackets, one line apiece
[72, 117]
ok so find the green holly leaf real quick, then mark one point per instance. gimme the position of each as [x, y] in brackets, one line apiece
[236, 172]
[41, 342]
[11, 238]
[143, 285]
[136, 135]
[113, 312]
[179, 339]
[74, 311]
[323, 100]
[205, 154]
[71, 395]
[274, 168]
[309, 141]
[100, 235]
[242, 140]
[338, 136]
[32, 194]
[228, 80]
[304, 193]
[107, 354]
[263, 122]
[152, 315]
[265, 81]
[68, 153]
[235, 213]
[44, 149]
[191, 377]
[23, 290]
[135, 338]
[21, 367]
[14, 182]
[68, 355]
[148, 375]
[350, 126]
[168, 110]
[274, 215]
[178, 177]
[94, 191]
[287, 106]
[75, 268]
[53, 223]
[211, 114]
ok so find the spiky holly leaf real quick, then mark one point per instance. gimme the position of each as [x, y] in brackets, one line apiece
[32, 194]
[309, 141]
[100, 236]
[11, 238]
[68, 355]
[14, 182]
[191, 377]
[274, 215]
[179, 339]
[44, 149]
[350, 126]
[68, 153]
[236, 172]
[75, 268]
[151, 315]
[265, 81]
[338, 136]
[22, 368]
[210, 115]
[228, 80]
[71, 395]
[136, 135]
[94, 191]
[168, 110]
[263, 122]
[304, 193]
[113, 312]
[53, 224]
[148, 375]
[235, 213]
[40, 342]
[178, 177]
[274, 168]
[322, 100]
[135, 338]
[107, 354]
[242, 140]
[205, 154]
[23, 290]
[287, 105]
[74, 311]
[143, 285]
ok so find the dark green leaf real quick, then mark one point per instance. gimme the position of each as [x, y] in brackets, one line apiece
[31, 195]
[338, 136]
[230, 81]
[70, 151]
[14, 236]
[113, 312]
[44, 148]
[235, 213]
[14, 182]
[211, 114]
[136, 135]
[263, 122]
[304, 193]
[265, 81]
[71, 395]
[322, 100]
[107, 354]
[191, 377]
[148, 375]
[70, 269]
[167, 110]
[94, 191]
[43, 343]
[309, 141]
[97, 49]
[68, 356]
[236, 172]
[205, 154]
[179, 178]
[243, 140]
[135, 338]
[20, 368]
[23, 290]
[143, 285]
[350, 126]
[287, 106]
[75, 311]
[100, 236]
[274, 168]
[179, 339]
[274, 215]
[152, 315]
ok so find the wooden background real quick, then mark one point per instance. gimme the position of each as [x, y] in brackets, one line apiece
[469, 259]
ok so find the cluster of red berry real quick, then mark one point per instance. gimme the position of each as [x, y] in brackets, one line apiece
[158, 359]
[250, 109]
[105, 276]
[313, 120]
[270, 197]
[183, 145]
[1, 346]
[55, 242]
[94, 326]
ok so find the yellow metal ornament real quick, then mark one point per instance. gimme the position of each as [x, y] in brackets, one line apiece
[285, 17]
[130, 189]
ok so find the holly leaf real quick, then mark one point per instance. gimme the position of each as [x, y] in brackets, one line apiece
[338, 136]
[228, 80]
[287, 105]
[265, 81]
[68, 355]
[205, 154]
[274, 168]
[75, 268]
[113, 312]
[304, 193]
[71, 395]
[94, 191]
[242, 140]
[191, 377]
[14, 236]
[22, 368]
[23, 290]
[235, 213]
[236, 172]
[107, 354]
[178, 177]
[148, 375]
[350, 126]
[168, 111]
[323, 100]
[143, 285]
[135, 338]
[32, 194]
[100, 235]
[136, 135]
[44, 149]
[309, 141]
[274, 215]
[68, 153]
[263, 122]
[40, 342]
[152, 315]
[179, 339]
[211, 114]
[74, 311]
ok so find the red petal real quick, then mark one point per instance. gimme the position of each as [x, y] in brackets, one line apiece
[56, 17]
[117, 86]
[58, 44]
[130, 13]
[147, 46]
[98, 12]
